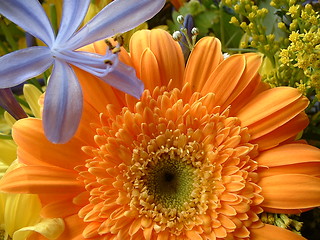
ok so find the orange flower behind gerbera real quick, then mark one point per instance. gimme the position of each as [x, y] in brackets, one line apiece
[177, 3]
[206, 149]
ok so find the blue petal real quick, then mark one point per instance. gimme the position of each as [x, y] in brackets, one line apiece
[21, 65]
[62, 105]
[29, 15]
[73, 13]
[123, 77]
[117, 17]
[98, 65]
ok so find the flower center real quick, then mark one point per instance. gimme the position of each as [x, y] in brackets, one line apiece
[170, 181]
[170, 178]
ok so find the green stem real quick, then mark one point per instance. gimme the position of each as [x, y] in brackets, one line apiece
[8, 35]
[241, 50]
[4, 47]
[35, 82]
[53, 16]
[221, 25]
[5, 137]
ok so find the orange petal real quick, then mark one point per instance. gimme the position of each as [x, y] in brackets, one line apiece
[177, 3]
[272, 110]
[100, 47]
[271, 232]
[310, 169]
[254, 88]
[295, 158]
[203, 60]
[97, 93]
[35, 149]
[170, 61]
[41, 179]
[283, 133]
[150, 69]
[286, 211]
[91, 230]
[286, 154]
[248, 82]
[60, 208]
[276, 119]
[225, 78]
[290, 191]
[276, 100]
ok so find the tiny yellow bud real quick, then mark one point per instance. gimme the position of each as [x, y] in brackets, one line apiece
[270, 218]
[243, 25]
[247, 7]
[292, 2]
[271, 37]
[297, 225]
[262, 38]
[285, 219]
[308, 8]
[293, 26]
[282, 26]
[253, 44]
[294, 10]
[273, 4]
[243, 45]
[264, 217]
[236, 8]
[280, 223]
[252, 16]
[228, 2]
[264, 11]
[251, 26]
[234, 21]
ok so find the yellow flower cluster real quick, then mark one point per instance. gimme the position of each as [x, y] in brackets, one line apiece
[303, 52]
[255, 30]
[291, 46]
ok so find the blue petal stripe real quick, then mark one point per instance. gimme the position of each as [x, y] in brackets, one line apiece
[29, 15]
[117, 17]
[73, 13]
[63, 104]
[21, 65]
[91, 62]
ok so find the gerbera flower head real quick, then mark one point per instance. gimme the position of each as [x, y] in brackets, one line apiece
[206, 149]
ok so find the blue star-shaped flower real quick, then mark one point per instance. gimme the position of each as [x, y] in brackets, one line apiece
[63, 99]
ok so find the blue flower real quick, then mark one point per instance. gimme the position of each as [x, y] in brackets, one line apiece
[63, 99]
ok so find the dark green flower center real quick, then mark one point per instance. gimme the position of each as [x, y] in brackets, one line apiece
[170, 182]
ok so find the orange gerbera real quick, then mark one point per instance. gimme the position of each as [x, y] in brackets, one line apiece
[206, 149]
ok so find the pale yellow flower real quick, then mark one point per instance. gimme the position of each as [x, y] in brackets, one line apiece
[20, 213]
